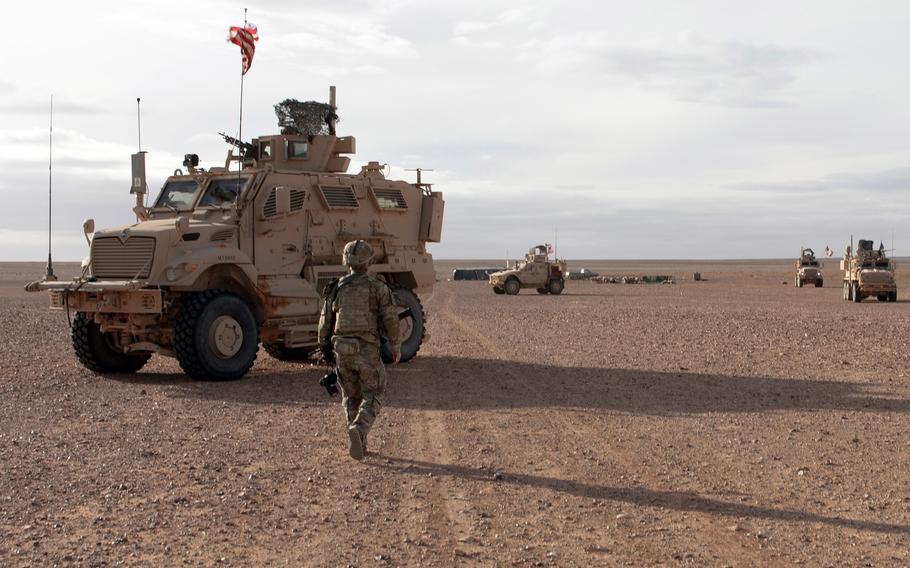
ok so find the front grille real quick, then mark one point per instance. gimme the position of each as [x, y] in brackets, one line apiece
[131, 258]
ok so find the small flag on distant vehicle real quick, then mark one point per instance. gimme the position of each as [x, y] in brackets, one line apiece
[828, 251]
[549, 249]
[246, 37]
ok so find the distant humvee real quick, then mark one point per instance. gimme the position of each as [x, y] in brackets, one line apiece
[535, 271]
[808, 270]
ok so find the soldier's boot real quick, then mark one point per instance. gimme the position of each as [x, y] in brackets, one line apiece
[356, 449]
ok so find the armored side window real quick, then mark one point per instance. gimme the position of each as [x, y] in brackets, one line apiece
[389, 199]
[338, 197]
[265, 150]
[297, 150]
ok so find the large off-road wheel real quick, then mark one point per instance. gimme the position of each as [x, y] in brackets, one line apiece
[512, 286]
[819, 283]
[282, 353]
[411, 328]
[799, 282]
[846, 294]
[216, 336]
[855, 294]
[543, 291]
[556, 286]
[498, 290]
[892, 296]
[101, 352]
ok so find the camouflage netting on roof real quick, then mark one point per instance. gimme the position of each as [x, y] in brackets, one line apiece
[309, 118]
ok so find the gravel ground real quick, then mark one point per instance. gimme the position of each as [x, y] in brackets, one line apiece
[737, 421]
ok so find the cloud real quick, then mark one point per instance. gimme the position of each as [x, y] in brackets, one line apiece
[493, 33]
[724, 73]
[887, 181]
[35, 107]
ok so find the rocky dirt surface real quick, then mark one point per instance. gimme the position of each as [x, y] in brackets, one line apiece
[733, 422]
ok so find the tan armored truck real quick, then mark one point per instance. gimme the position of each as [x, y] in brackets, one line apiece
[808, 270]
[535, 271]
[225, 260]
[868, 272]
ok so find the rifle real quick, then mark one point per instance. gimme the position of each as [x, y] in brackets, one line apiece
[246, 149]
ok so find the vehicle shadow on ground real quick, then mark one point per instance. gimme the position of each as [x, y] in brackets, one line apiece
[491, 384]
[299, 384]
[674, 500]
[452, 383]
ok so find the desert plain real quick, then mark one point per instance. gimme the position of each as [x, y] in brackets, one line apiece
[737, 421]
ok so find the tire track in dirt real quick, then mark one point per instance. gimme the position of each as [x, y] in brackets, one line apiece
[729, 546]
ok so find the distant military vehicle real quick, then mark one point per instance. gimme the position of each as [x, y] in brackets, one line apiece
[868, 272]
[808, 270]
[473, 273]
[535, 271]
[583, 274]
[225, 260]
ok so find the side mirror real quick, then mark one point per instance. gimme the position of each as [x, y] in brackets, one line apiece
[181, 224]
[88, 227]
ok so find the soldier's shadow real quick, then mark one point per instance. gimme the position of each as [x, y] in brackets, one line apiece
[641, 496]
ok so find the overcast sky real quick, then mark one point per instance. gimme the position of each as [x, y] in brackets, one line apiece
[711, 129]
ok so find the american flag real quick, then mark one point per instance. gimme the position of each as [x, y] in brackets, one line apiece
[246, 37]
[550, 249]
[828, 251]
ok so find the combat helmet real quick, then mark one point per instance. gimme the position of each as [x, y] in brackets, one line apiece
[357, 253]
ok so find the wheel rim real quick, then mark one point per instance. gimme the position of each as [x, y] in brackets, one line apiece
[225, 337]
[406, 328]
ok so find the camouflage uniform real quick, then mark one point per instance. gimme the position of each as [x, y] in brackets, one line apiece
[354, 315]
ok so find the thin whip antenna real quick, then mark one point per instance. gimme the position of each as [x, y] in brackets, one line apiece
[49, 270]
[139, 123]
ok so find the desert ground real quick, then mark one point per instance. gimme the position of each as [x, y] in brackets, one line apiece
[737, 421]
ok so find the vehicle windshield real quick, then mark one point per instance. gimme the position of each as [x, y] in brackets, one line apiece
[178, 194]
[222, 191]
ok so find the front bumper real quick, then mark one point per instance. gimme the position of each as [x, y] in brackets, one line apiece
[111, 297]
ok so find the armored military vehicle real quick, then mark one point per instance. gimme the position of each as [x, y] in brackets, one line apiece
[868, 272]
[808, 270]
[535, 271]
[224, 260]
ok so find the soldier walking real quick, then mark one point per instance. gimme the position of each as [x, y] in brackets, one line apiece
[357, 312]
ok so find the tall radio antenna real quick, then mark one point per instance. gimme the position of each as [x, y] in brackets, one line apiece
[49, 270]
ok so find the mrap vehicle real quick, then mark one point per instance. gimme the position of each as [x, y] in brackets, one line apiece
[224, 260]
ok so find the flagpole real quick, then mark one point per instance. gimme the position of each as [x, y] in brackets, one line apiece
[240, 126]
[49, 270]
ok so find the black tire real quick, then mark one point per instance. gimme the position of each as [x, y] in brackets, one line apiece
[543, 291]
[201, 316]
[855, 293]
[283, 353]
[413, 326]
[512, 286]
[556, 286]
[819, 283]
[892, 296]
[498, 290]
[98, 352]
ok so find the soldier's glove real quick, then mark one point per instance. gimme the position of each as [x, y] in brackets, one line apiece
[330, 382]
